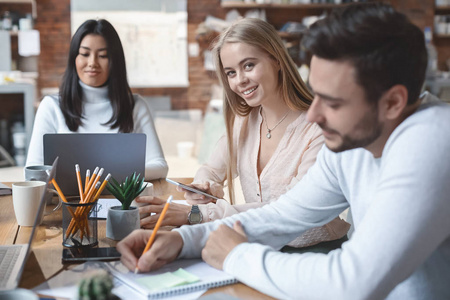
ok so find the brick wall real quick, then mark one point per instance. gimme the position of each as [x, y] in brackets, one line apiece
[53, 22]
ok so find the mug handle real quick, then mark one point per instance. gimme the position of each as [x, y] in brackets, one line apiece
[46, 213]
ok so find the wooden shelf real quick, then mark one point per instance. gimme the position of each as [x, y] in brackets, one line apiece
[32, 2]
[239, 4]
[442, 9]
[289, 35]
[441, 36]
[16, 1]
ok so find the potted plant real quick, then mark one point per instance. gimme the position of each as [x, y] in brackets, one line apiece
[122, 220]
[96, 285]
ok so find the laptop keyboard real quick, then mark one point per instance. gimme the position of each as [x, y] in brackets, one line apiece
[8, 258]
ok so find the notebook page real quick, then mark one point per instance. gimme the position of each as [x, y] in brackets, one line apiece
[209, 277]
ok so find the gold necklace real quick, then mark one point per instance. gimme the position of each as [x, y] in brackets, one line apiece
[269, 130]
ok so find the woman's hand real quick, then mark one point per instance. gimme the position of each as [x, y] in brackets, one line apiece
[194, 198]
[176, 215]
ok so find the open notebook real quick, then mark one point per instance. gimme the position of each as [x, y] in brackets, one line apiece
[209, 277]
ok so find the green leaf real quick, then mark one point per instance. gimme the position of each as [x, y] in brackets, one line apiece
[114, 191]
[127, 191]
[115, 181]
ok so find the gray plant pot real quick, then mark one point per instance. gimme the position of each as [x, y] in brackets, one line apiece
[120, 223]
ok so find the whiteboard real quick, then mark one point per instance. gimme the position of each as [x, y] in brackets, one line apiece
[154, 39]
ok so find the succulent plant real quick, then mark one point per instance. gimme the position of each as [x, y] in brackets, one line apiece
[97, 285]
[126, 191]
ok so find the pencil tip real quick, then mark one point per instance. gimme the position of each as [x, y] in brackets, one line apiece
[136, 270]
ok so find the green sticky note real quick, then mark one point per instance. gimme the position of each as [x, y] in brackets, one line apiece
[188, 277]
[162, 281]
[167, 280]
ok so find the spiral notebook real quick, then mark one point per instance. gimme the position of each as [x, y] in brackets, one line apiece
[209, 277]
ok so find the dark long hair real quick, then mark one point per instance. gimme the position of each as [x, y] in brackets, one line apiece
[119, 92]
[382, 44]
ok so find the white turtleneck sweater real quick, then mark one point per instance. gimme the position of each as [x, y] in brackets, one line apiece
[97, 111]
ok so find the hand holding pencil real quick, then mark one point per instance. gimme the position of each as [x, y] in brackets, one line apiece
[145, 250]
[155, 230]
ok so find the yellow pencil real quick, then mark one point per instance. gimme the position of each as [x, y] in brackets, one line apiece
[81, 212]
[91, 180]
[60, 193]
[102, 187]
[80, 184]
[158, 224]
[86, 182]
[91, 192]
[74, 217]
[84, 214]
[99, 190]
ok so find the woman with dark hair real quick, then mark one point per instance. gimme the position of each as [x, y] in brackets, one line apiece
[95, 97]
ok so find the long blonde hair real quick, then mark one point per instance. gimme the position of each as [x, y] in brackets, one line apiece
[295, 94]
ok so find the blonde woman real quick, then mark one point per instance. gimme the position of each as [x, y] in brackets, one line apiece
[269, 143]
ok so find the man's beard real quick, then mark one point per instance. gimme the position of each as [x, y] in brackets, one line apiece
[369, 126]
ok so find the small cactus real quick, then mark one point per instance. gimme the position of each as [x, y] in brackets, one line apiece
[97, 285]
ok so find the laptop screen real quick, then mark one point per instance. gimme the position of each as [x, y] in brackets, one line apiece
[120, 154]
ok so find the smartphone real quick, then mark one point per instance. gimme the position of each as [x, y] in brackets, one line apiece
[190, 188]
[77, 255]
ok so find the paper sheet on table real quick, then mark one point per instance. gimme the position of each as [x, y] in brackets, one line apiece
[104, 204]
[65, 285]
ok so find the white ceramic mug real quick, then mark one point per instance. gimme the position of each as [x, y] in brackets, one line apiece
[26, 199]
[39, 173]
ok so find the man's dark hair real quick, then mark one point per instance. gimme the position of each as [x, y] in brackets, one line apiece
[119, 92]
[382, 44]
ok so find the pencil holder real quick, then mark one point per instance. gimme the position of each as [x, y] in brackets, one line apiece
[79, 222]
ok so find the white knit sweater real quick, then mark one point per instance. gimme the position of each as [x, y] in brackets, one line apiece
[400, 203]
[97, 110]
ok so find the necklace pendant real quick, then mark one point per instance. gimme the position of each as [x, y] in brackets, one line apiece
[268, 135]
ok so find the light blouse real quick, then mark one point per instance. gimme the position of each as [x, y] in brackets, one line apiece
[295, 154]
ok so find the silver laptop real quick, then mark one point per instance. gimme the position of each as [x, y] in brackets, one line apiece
[120, 154]
[14, 257]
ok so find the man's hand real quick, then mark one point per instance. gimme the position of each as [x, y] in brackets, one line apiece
[176, 215]
[221, 242]
[165, 248]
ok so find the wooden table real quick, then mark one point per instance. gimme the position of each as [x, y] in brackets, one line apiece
[45, 260]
